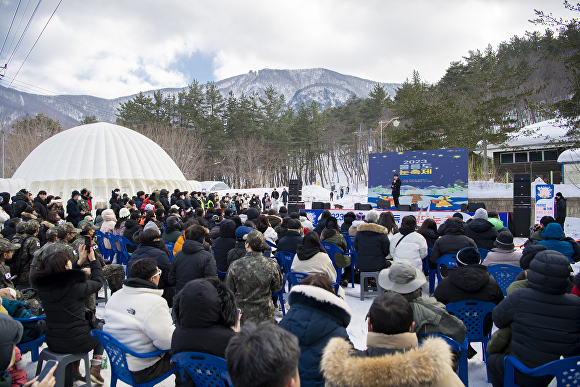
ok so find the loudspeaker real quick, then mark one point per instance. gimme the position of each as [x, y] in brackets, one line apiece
[522, 177]
[365, 207]
[295, 182]
[294, 198]
[317, 206]
[522, 221]
[472, 207]
[522, 188]
[300, 206]
[463, 207]
[357, 206]
[414, 207]
[383, 203]
[522, 201]
[404, 207]
[327, 206]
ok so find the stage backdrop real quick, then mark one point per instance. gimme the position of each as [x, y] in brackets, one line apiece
[434, 178]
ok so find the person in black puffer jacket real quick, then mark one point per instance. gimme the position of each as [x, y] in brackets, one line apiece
[62, 288]
[452, 240]
[206, 318]
[321, 225]
[372, 244]
[19, 203]
[429, 231]
[293, 238]
[131, 227]
[193, 261]
[349, 217]
[253, 214]
[224, 243]
[545, 321]
[480, 230]
[164, 200]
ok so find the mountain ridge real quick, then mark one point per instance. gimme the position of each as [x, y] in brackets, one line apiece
[327, 87]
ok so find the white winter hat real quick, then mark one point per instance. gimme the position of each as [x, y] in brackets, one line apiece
[480, 213]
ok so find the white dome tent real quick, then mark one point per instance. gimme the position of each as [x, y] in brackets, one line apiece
[570, 160]
[100, 157]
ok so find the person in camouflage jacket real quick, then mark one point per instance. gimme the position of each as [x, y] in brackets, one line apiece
[65, 235]
[51, 235]
[7, 288]
[30, 244]
[253, 279]
[84, 202]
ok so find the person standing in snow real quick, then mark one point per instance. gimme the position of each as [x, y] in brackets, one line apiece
[331, 195]
[284, 197]
[560, 209]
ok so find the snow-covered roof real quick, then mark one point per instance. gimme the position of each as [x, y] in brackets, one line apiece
[100, 157]
[569, 156]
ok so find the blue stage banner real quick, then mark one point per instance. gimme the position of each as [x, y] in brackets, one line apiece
[437, 179]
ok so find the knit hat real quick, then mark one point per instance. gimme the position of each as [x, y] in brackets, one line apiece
[10, 334]
[468, 256]
[242, 231]
[360, 216]
[6, 246]
[173, 222]
[217, 219]
[529, 253]
[402, 277]
[480, 213]
[151, 225]
[505, 240]
[124, 213]
[256, 240]
[149, 207]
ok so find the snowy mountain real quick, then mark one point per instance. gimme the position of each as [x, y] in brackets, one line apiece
[326, 87]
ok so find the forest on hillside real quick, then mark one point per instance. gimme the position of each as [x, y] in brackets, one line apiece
[254, 140]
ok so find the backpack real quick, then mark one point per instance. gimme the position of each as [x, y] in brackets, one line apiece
[15, 263]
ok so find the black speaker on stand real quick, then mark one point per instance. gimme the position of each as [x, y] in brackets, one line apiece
[522, 216]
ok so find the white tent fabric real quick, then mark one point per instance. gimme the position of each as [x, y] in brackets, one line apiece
[194, 185]
[569, 156]
[211, 186]
[12, 185]
[100, 157]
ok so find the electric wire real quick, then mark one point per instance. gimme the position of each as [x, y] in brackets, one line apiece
[10, 28]
[36, 41]
[23, 33]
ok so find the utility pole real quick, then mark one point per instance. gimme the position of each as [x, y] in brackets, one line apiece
[2, 151]
[358, 157]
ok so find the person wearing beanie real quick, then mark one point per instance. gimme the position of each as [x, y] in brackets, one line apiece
[293, 237]
[469, 281]
[119, 228]
[173, 229]
[481, 230]
[253, 279]
[282, 229]
[11, 364]
[239, 249]
[452, 240]
[504, 252]
[544, 319]
[225, 242]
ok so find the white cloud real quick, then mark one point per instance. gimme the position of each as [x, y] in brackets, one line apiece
[114, 48]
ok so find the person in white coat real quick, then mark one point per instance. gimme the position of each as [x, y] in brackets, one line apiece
[138, 316]
[409, 244]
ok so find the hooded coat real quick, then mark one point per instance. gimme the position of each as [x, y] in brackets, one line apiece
[73, 213]
[545, 321]
[315, 317]
[553, 235]
[40, 207]
[372, 246]
[63, 296]
[253, 214]
[499, 256]
[482, 232]
[471, 282]
[395, 361]
[290, 242]
[164, 200]
[347, 222]
[6, 203]
[411, 247]
[452, 240]
[224, 243]
[20, 202]
[311, 260]
[192, 262]
[199, 323]
[153, 250]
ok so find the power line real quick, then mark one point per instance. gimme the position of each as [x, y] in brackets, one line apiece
[23, 33]
[10, 28]
[36, 41]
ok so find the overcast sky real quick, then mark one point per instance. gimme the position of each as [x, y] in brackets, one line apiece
[112, 48]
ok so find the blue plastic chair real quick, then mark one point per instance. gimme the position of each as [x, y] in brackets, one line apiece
[332, 249]
[205, 370]
[448, 260]
[462, 348]
[170, 246]
[294, 278]
[483, 253]
[118, 359]
[473, 313]
[112, 238]
[124, 253]
[35, 344]
[285, 259]
[565, 371]
[106, 253]
[273, 247]
[504, 275]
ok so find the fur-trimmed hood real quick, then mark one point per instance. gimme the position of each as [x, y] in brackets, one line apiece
[428, 365]
[321, 300]
[56, 285]
[372, 227]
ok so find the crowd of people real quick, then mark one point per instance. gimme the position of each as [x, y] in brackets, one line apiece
[217, 290]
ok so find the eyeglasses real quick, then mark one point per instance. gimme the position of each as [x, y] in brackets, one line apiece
[158, 273]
